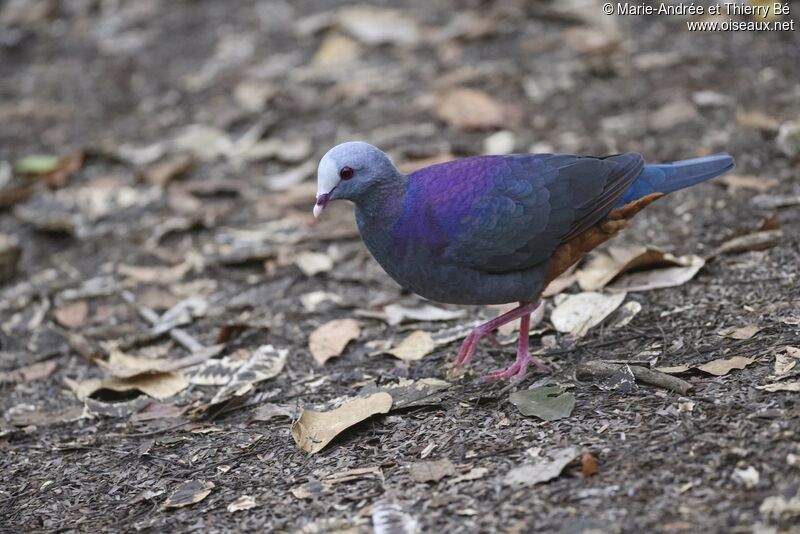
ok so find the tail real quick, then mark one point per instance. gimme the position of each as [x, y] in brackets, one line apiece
[668, 177]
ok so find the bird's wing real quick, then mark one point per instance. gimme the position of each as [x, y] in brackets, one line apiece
[506, 213]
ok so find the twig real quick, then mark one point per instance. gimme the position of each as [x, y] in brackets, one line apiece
[180, 336]
[598, 369]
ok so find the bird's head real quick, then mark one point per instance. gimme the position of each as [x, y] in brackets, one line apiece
[348, 171]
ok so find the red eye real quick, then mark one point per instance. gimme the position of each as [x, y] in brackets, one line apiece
[345, 173]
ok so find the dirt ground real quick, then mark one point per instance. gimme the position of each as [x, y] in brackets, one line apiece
[191, 133]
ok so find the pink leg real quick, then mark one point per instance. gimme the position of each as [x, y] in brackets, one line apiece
[524, 357]
[471, 342]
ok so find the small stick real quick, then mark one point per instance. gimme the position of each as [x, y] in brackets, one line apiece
[599, 369]
[180, 336]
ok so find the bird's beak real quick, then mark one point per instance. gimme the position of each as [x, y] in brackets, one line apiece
[322, 201]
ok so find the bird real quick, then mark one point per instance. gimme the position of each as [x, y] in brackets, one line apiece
[495, 229]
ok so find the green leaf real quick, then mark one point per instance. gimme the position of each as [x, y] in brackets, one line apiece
[547, 402]
[36, 164]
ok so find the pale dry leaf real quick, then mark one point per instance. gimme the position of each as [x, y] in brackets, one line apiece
[607, 265]
[245, 502]
[470, 109]
[330, 339]
[376, 25]
[722, 366]
[742, 332]
[336, 50]
[314, 430]
[559, 285]
[214, 372]
[266, 362]
[793, 387]
[625, 314]
[542, 471]
[72, 315]
[396, 314]
[735, 182]
[578, 313]
[413, 347]
[189, 492]
[674, 370]
[431, 470]
[312, 263]
[786, 359]
[150, 275]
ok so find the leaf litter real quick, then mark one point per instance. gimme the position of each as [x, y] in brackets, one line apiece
[544, 470]
[548, 403]
[330, 339]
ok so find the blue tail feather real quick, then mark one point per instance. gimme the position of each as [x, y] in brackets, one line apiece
[668, 177]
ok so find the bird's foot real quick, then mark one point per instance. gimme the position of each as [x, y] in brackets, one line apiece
[518, 368]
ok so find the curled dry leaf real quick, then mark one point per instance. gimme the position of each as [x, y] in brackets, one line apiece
[578, 313]
[151, 275]
[189, 492]
[607, 265]
[742, 332]
[157, 385]
[543, 470]
[245, 502]
[331, 338]
[413, 347]
[470, 109]
[123, 365]
[29, 373]
[314, 430]
[265, 363]
[589, 465]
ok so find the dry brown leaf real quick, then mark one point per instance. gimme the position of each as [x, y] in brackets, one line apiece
[162, 172]
[578, 313]
[742, 332]
[757, 121]
[431, 470]
[314, 430]
[189, 492]
[722, 366]
[330, 339]
[589, 465]
[413, 347]
[72, 315]
[470, 109]
[123, 365]
[735, 182]
[559, 285]
[29, 373]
